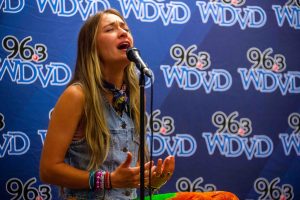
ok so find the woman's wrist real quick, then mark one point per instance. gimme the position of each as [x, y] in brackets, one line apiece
[159, 180]
[99, 180]
[152, 189]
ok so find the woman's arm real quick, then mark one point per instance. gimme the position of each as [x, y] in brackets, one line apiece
[64, 120]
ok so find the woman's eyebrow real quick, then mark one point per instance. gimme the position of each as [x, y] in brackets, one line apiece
[122, 24]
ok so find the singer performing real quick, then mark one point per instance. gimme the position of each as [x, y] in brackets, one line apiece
[92, 145]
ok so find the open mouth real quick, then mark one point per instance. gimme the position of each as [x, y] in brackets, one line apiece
[123, 45]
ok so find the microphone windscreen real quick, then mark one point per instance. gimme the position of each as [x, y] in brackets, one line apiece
[131, 53]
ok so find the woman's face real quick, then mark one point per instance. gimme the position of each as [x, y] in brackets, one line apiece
[113, 39]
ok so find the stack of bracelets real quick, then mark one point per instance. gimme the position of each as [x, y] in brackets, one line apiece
[99, 180]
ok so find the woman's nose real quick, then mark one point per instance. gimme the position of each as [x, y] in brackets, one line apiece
[123, 32]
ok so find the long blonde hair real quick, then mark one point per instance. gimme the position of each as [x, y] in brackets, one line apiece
[88, 73]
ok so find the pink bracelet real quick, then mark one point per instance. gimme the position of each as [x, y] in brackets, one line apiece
[99, 180]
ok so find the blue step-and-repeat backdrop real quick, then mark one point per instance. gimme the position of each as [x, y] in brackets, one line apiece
[226, 89]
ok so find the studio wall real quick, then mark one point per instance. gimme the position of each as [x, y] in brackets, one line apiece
[226, 89]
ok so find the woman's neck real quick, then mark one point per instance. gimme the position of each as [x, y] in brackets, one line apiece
[114, 76]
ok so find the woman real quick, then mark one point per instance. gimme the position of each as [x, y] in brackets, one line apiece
[92, 143]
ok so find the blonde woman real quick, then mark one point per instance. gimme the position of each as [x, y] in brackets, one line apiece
[92, 144]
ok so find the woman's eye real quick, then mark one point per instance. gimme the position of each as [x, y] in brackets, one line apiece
[126, 29]
[109, 29]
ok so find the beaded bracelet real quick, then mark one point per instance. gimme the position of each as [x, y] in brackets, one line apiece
[99, 180]
[91, 179]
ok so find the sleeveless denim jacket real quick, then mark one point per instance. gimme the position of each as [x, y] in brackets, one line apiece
[123, 139]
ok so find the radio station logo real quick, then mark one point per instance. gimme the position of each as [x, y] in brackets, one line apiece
[184, 184]
[28, 190]
[15, 143]
[273, 189]
[64, 8]
[232, 138]
[288, 14]
[174, 12]
[227, 15]
[25, 64]
[189, 71]
[9, 6]
[164, 140]
[292, 141]
[266, 73]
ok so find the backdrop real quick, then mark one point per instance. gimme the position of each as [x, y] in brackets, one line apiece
[226, 89]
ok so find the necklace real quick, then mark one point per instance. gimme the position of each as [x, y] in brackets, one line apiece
[120, 100]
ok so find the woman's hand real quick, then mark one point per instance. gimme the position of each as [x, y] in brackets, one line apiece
[127, 177]
[162, 172]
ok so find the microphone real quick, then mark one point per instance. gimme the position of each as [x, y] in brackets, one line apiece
[133, 55]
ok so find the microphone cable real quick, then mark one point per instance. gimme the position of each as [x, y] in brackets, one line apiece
[151, 134]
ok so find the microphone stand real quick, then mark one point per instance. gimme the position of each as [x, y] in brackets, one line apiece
[142, 133]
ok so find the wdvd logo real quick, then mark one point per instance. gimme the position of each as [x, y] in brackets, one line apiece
[288, 13]
[189, 71]
[15, 142]
[24, 72]
[182, 145]
[9, 6]
[230, 138]
[24, 63]
[174, 12]
[292, 141]
[227, 15]
[65, 8]
[265, 74]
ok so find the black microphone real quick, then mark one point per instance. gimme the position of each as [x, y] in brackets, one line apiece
[133, 55]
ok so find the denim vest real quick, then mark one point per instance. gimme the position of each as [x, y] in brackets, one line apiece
[123, 139]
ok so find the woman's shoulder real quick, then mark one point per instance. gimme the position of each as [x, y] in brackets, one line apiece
[75, 93]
